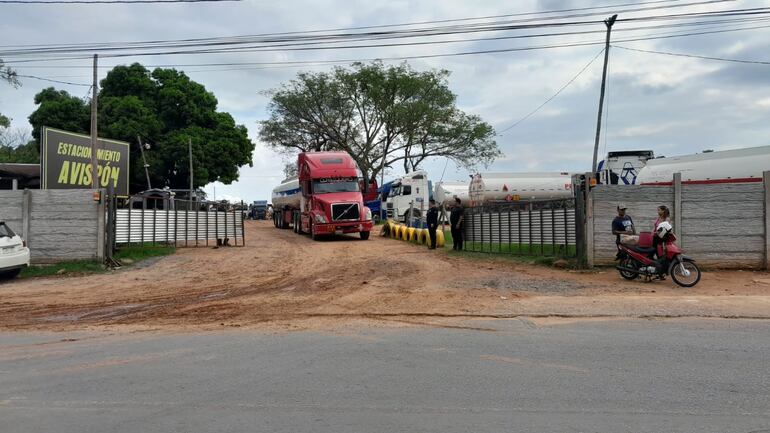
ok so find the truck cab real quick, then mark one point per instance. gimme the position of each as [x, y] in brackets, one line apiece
[330, 196]
[412, 191]
[622, 168]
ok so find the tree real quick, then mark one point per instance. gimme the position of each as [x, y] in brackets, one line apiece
[381, 115]
[167, 110]
[9, 75]
[17, 146]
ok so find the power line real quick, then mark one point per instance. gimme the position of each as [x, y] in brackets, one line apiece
[554, 95]
[52, 80]
[238, 66]
[321, 62]
[339, 37]
[696, 56]
[65, 2]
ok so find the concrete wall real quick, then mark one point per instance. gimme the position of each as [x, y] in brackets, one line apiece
[58, 225]
[719, 225]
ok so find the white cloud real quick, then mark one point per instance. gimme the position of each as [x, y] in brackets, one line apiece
[668, 104]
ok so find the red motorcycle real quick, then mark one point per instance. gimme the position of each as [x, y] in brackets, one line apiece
[639, 261]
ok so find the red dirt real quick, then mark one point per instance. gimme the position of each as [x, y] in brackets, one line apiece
[282, 278]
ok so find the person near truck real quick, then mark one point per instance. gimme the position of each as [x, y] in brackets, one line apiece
[456, 219]
[432, 219]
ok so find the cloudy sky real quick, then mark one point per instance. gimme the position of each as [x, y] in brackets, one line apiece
[671, 104]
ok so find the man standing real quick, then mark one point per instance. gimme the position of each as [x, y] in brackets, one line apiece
[622, 224]
[432, 219]
[456, 218]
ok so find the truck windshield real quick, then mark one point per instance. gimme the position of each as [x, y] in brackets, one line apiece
[335, 185]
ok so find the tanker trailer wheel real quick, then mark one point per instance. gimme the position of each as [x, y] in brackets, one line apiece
[298, 224]
[364, 235]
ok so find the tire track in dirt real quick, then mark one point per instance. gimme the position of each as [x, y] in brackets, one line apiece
[280, 275]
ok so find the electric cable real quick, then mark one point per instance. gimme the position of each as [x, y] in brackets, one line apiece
[554, 95]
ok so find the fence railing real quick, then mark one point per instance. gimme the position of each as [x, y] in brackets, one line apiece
[546, 232]
[206, 224]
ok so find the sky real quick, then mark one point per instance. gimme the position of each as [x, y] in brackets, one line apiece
[672, 105]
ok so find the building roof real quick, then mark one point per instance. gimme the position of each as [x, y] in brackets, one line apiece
[19, 171]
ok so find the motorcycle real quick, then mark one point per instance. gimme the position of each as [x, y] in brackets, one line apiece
[638, 261]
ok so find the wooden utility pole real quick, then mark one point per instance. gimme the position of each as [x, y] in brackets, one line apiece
[94, 131]
[144, 160]
[608, 22]
[189, 149]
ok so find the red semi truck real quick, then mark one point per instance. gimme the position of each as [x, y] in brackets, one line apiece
[325, 199]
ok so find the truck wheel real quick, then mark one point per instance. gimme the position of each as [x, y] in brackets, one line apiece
[298, 222]
[364, 235]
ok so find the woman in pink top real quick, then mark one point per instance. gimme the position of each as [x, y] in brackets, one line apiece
[663, 215]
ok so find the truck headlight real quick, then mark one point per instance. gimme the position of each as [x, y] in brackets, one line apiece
[368, 214]
[320, 218]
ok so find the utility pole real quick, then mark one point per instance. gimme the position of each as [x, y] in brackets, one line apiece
[608, 22]
[94, 131]
[144, 160]
[189, 149]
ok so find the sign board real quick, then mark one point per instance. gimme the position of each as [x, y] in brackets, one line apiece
[65, 159]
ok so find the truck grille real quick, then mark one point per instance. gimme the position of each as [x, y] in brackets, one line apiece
[345, 212]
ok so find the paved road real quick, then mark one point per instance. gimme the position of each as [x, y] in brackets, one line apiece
[506, 376]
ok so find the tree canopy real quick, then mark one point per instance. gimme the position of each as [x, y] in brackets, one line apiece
[381, 115]
[166, 109]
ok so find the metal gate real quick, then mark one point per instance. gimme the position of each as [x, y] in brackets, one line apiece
[175, 222]
[547, 231]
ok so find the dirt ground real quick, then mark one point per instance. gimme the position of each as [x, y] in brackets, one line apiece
[289, 281]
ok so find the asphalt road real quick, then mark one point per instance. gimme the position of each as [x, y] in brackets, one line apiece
[501, 376]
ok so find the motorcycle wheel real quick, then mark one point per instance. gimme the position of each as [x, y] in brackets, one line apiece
[628, 263]
[685, 274]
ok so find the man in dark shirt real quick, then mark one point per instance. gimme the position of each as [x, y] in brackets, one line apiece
[432, 219]
[456, 218]
[622, 224]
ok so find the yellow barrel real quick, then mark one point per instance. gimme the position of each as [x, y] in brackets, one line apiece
[439, 239]
[394, 229]
[410, 234]
[404, 233]
[422, 237]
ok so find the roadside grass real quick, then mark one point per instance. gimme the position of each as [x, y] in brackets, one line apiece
[129, 256]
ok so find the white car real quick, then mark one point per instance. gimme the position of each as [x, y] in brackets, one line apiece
[14, 254]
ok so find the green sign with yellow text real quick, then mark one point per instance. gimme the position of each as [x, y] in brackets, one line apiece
[65, 159]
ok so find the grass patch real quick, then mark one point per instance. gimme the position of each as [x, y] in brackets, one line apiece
[138, 253]
[127, 256]
[76, 267]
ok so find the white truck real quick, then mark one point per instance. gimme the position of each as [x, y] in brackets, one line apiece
[640, 167]
[411, 191]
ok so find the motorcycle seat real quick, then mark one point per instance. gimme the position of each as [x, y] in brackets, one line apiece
[643, 250]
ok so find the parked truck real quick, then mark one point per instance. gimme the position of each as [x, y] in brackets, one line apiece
[258, 210]
[325, 199]
[487, 188]
[410, 192]
[640, 167]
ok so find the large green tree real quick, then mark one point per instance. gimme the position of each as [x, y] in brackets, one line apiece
[167, 110]
[381, 115]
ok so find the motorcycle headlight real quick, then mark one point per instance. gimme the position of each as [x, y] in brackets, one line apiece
[320, 218]
[368, 214]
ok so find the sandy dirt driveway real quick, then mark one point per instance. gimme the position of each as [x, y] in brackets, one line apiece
[283, 279]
